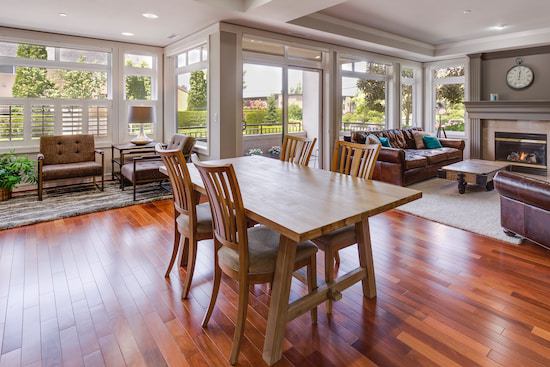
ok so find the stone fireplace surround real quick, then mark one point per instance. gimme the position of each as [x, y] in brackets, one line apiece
[507, 116]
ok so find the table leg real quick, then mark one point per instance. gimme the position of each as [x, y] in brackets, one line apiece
[278, 307]
[461, 178]
[362, 234]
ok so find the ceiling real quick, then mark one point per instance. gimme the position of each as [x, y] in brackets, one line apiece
[420, 30]
[444, 21]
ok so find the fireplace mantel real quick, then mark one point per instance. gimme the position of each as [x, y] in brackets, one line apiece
[509, 110]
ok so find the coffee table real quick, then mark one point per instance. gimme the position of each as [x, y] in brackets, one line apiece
[473, 172]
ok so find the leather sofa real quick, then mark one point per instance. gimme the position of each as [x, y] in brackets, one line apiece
[68, 156]
[403, 164]
[524, 207]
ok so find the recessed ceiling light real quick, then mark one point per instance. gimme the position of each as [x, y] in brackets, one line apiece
[62, 14]
[127, 34]
[499, 27]
[467, 11]
[150, 15]
[173, 35]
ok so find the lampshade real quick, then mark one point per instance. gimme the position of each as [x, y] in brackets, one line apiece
[141, 115]
[440, 108]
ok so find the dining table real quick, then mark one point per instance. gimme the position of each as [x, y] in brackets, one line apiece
[304, 203]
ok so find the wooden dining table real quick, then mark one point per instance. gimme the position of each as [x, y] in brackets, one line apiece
[303, 203]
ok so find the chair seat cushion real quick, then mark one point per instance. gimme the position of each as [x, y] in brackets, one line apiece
[263, 245]
[71, 170]
[204, 219]
[147, 170]
[337, 239]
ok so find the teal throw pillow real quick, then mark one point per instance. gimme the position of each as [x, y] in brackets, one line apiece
[385, 142]
[431, 142]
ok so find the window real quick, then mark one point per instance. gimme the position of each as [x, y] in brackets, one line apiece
[364, 95]
[192, 93]
[11, 122]
[448, 89]
[42, 120]
[98, 118]
[47, 90]
[140, 85]
[408, 98]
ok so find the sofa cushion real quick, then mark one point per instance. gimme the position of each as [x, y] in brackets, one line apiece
[71, 170]
[431, 142]
[433, 156]
[61, 149]
[413, 160]
[145, 171]
[452, 153]
[419, 139]
[385, 142]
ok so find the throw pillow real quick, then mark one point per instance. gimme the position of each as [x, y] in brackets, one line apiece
[385, 142]
[373, 139]
[418, 139]
[431, 142]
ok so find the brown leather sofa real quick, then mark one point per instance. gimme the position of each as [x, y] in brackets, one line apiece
[145, 169]
[524, 207]
[68, 156]
[403, 164]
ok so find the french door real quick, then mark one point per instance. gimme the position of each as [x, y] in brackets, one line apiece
[280, 100]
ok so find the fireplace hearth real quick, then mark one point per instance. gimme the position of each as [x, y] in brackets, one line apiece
[522, 150]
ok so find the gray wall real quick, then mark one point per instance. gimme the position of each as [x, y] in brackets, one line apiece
[493, 76]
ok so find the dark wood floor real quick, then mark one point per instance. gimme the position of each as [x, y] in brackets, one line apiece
[90, 291]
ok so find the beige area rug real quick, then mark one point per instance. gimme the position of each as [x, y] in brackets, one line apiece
[476, 211]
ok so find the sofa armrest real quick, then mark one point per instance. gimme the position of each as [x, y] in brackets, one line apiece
[98, 151]
[523, 189]
[453, 143]
[392, 155]
[40, 157]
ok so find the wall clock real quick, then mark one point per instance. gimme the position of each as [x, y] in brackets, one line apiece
[520, 76]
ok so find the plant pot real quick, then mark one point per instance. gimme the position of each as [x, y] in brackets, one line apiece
[5, 194]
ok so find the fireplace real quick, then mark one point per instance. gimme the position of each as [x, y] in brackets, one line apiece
[522, 150]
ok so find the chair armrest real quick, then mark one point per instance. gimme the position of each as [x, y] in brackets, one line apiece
[392, 155]
[40, 157]
[147, 158]
[453, 143]
[523, 189]
[100, 152]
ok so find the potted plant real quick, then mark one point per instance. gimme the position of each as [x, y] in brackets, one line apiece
[13, 171]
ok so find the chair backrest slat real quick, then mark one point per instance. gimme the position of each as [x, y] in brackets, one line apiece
[182, 186]
[297, 149]
[354, 159]
[226, 203]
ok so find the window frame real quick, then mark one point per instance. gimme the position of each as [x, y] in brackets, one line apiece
[29, 142]
[203, 64]
[415, 83]
[431, 85]
[387, 78]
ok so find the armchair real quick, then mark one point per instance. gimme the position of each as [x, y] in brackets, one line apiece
[69, 156]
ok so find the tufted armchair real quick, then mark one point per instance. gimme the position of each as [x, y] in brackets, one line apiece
[145, 169]
[68, 156]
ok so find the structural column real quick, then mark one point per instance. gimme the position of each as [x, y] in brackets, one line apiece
[474, 89]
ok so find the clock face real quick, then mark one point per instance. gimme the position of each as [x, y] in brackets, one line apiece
[519, 77]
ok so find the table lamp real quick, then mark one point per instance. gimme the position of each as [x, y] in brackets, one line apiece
[141, 115]
[440, 110]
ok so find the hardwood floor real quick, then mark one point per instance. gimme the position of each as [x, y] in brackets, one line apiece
[90, 291]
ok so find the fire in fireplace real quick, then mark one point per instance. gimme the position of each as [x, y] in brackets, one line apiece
[525, 149]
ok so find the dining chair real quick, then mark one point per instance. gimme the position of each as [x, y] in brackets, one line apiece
[357, 160]
[297, 149]
[247, 255]
[192, 221]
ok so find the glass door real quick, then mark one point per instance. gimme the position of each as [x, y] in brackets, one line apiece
[304, 108]
[279, 100]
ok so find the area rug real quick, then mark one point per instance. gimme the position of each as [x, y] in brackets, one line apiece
[69, 201]
[476, 211]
